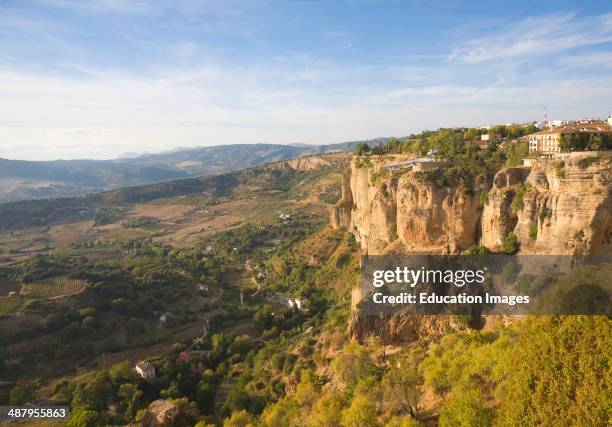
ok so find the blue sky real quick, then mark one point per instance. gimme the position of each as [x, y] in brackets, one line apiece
[98, 78]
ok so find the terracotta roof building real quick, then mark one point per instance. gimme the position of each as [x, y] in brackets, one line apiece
[548, 141]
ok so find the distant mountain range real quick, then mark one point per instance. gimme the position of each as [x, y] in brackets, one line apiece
[23, 180]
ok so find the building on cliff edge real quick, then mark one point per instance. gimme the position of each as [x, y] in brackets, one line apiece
[549, 141]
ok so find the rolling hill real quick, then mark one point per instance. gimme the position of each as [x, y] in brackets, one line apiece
[23, 180]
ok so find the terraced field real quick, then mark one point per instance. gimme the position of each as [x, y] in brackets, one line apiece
[56, 287]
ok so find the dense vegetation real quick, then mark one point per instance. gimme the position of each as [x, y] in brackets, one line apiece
[584, 141]
[468, 163]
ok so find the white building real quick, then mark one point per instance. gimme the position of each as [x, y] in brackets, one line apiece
[609, 120]
[490, 137]
[145, 369]
[294, 302]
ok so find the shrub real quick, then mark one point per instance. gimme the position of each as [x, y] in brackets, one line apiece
[483, 198]
[586, 162]
[533, 231]
[478, 250]
[517, 201]
[510, 245]
[379, 175]
[560, 169]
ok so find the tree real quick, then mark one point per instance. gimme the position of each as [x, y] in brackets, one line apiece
[354, 363]
[361, 413]
[401, 386]
[82, 417]
[327, 411]
[466, 408]
[121, 372]
[129, 394]
[362, 149]
[240, 419]
[94, 394]
[306, 392]
[284, 413]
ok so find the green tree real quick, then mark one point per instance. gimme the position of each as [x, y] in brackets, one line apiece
[121, 372]
[240, 419]
[284, 413]
[401, 386]
[361, 413]
[94, 394]
[362, 149]
[327, 411]
[129, 395]
[466, 407]
[82, 417]
[353, 363]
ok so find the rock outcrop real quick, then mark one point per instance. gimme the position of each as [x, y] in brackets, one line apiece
[559, 207]
[409, 208]
[553, 207]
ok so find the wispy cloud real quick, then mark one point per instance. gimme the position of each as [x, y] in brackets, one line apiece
[537, 36]
[103, 6]
[594, 59]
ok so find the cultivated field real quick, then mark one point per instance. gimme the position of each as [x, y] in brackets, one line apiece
[53, 287]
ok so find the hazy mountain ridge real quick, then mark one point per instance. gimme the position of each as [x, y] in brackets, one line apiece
[22, 180]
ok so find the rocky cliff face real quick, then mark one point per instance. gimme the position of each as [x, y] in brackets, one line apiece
[562, 207]
[552, 207]
[405, 211]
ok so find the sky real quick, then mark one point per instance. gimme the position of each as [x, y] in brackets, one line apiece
[100, 78]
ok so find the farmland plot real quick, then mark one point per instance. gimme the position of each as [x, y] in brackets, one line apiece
[53, 287]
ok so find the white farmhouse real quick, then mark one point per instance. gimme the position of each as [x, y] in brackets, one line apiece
[145, 369]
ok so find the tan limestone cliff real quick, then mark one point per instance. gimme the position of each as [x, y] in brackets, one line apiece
[381, 207]
[569, 203]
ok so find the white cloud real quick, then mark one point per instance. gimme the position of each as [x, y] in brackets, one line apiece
[537, 36]
[601, 60]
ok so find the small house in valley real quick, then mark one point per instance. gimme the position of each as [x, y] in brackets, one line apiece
[145, 369]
